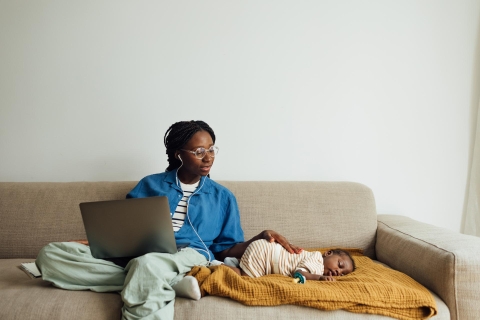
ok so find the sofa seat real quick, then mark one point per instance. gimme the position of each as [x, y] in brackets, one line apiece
[30, 299]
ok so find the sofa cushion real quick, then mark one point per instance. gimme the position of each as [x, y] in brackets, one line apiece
[223, 308]
[24, 298]
[310, 214]
[34, 214]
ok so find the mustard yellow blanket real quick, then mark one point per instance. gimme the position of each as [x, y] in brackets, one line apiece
[371, 288]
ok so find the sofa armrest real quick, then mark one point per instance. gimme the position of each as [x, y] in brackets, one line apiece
[446, 262]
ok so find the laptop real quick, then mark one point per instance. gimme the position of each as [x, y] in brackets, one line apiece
[119, 230]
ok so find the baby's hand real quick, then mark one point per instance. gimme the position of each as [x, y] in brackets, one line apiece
[327, 278]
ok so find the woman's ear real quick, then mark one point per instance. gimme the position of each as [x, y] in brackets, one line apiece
[328, 253]
[177, 154]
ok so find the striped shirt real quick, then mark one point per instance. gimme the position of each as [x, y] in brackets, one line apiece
[262, 257]
[180, 213]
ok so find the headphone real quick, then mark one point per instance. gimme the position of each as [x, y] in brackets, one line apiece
[188, 216]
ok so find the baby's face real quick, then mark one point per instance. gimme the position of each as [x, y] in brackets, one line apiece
[337, 265]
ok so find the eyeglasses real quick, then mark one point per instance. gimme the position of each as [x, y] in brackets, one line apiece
[201, 152]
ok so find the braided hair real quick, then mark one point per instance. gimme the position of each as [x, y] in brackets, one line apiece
[178, 135]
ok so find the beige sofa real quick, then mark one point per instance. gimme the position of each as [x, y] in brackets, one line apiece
[310, 214]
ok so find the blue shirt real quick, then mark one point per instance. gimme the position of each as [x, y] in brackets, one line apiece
[213, 212]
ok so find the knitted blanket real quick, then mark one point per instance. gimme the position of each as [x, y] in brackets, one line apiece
[371, 288]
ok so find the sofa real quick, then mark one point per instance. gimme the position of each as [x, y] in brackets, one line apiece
[309, 214]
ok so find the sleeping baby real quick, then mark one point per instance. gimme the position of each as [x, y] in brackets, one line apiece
[263, 257]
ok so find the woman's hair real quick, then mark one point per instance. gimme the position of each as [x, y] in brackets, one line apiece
[178, 135]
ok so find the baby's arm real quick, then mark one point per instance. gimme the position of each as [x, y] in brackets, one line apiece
[311, 276]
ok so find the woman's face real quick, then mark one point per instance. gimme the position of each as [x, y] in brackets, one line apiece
[193, 168]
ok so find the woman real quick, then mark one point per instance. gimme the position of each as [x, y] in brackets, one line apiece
[205, 215]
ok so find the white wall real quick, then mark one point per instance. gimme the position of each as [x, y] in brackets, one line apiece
[378, 92]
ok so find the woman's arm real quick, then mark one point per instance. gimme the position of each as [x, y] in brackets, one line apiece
[269, 235]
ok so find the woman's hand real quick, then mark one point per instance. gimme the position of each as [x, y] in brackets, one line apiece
[272, 236]
[269, 235]
[85, 242]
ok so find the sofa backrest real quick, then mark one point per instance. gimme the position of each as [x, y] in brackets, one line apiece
[309, 214]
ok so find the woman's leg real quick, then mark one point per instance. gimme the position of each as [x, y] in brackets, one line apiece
[148, 292]
[70, 265]
[146, 281]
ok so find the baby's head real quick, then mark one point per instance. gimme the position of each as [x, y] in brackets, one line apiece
[337, 262]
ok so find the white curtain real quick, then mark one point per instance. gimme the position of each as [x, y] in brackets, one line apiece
[472, 215]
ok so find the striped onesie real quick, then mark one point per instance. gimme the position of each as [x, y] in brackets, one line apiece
[178, 217]
[262, 257]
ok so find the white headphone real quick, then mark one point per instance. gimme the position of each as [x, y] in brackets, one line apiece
[188, 216]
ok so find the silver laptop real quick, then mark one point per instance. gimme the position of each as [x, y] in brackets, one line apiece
[120, 230]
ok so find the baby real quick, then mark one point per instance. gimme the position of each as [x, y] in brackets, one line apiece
[263, 257]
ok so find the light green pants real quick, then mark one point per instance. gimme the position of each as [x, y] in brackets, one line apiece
[145, 283]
